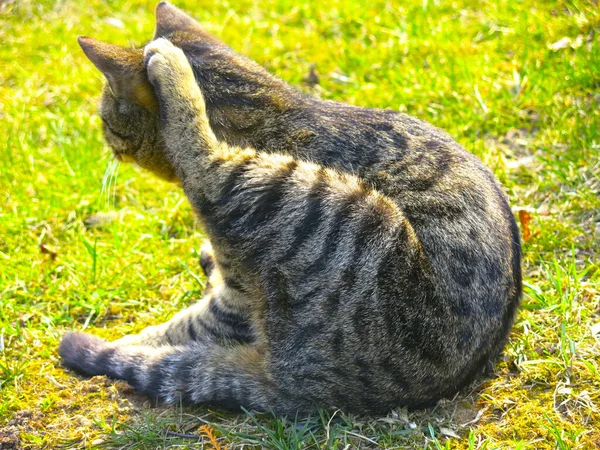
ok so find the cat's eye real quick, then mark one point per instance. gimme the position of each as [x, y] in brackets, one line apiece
[118, 134]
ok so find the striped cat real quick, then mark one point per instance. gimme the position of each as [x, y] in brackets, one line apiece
[359, 258]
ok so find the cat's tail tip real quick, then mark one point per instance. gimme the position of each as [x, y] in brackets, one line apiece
[79, 351]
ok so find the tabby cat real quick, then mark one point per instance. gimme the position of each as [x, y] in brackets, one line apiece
[359, 258]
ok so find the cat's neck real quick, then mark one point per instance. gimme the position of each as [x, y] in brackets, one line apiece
[246, 105]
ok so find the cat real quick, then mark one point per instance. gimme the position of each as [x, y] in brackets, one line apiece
[359, 258]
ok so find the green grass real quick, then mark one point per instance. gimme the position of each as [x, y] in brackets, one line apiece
[483, 70]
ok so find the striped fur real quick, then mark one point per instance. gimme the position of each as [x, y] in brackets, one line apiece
[360, 259]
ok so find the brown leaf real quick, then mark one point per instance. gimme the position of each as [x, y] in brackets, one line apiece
[525, 218]
[47, 250]
[208, 432]
[312, 79]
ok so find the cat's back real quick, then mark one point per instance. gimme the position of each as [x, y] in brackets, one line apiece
[438, 300]
[466, 233]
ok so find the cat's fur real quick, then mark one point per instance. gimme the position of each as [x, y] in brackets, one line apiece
[361, 259]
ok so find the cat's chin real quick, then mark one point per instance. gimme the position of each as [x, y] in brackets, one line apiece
[125, 158]
[169, 177]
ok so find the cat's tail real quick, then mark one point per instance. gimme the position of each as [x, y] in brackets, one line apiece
[233, 377]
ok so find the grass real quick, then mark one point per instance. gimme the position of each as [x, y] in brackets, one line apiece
[499, 76]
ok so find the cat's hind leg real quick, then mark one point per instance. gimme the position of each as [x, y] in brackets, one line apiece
[222, 315]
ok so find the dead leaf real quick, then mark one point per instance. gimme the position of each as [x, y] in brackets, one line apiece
[48, 250]
[312, 79]
[449, 432]
[525, 218]
[477, 417]
[567, 42]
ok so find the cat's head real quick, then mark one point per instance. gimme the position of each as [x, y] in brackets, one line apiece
[129, 107]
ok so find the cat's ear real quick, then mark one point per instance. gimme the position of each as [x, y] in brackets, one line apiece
[124, 69]
[170, 19]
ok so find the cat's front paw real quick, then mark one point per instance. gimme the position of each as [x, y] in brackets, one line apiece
[207, 259]
[167, 65]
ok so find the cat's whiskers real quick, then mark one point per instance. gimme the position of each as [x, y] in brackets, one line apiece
[115, 176]
[108, 179]
[105, 179]
[106, 183]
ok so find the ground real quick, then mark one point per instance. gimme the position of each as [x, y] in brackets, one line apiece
[517, 83]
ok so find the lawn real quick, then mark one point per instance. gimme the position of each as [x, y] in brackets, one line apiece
[517, 83]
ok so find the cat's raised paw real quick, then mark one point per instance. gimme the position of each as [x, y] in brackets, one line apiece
[155, 51]
[165, 62]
